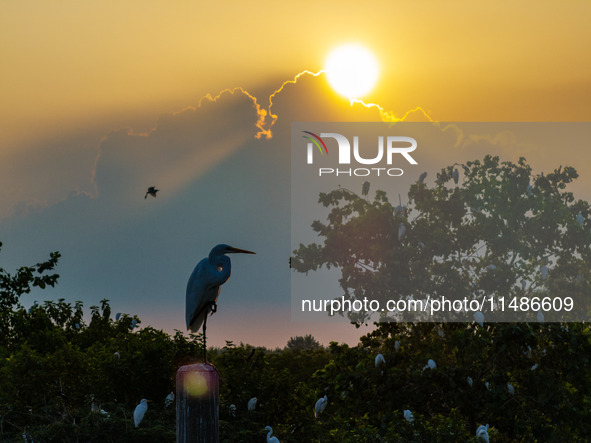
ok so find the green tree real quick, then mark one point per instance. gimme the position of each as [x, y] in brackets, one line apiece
[498, 232]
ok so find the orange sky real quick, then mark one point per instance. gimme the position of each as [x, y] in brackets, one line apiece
[72, 72]
[68, 63]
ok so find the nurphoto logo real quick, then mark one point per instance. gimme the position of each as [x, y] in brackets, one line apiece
[394, 145]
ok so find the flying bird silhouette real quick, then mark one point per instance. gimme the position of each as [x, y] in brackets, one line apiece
[204, 284]
[151, 191]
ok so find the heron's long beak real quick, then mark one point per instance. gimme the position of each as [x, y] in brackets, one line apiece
[243, 251]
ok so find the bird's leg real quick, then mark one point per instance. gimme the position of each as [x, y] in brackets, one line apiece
[204, 340]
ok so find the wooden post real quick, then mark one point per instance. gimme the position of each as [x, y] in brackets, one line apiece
[197, 404]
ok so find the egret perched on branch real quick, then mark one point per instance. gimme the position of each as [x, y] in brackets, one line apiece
[252, 403]
[456, 175]
[151, 191]
[422, 177]
[482, 432]
[320, 405]
[365, 188]
[479, 318]
[269, 438]
[580, 219]
[380, 360]
[169, 399]
[140, 410]
[203, 287]
[408, 416]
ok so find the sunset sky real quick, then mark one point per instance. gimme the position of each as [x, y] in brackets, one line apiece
[100, 100]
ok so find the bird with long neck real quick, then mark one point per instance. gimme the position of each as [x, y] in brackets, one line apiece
[203, 288]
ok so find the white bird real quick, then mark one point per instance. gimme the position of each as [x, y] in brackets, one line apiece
[482, 432]
[470, 381]
[117, 316]
[104, 413]
[252, 404]
[408, 416]
[430, 364]
[116, 355]
[232, 410]
[488, 386]
[479, 318]
[456, 175]
[534, 367]
[380, 360]
[140, 410]
[365, 188]
[441, 333]
[491, 267]
[540, 317]
[422, 177]
[169, 399]
[580, 219]
[204, 284]
[399, 209]
[320, 405]
[401, 231]
[269, 438]
[523, 284]
[529, 190]
[544, 271]
[133, 323]
[510, 389]
[397, 345]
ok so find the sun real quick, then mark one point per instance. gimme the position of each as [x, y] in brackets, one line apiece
[351, 70]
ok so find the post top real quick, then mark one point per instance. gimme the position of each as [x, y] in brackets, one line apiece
[198, 367]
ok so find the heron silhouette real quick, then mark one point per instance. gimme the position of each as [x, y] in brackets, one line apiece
[203, 288]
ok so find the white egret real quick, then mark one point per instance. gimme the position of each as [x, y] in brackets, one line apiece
[269, 438]
[117, 316]
[534, 367]
[479, 318]
[510, 389]
[488, 386]
[523, 284]
[397, 345]
[399, 209]
[380, 360]
[456, 175]
[540, 316]
[169, 399]
[544, 271]
[151, 191]
[133, 323]
[365, 188]
[482, 432]
[529, 190]
[491, 267]
[117, 355]
[203, 287]
[580, 219]
[252, 404]
[408, 416]
[422, 177]
[320, 405]
[430, 364]
[140, 411]
[401, 231]
[441, 333]
[232, 410]
[104, 413]
[470, 381]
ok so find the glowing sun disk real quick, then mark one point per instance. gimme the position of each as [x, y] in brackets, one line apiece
[351, 70]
